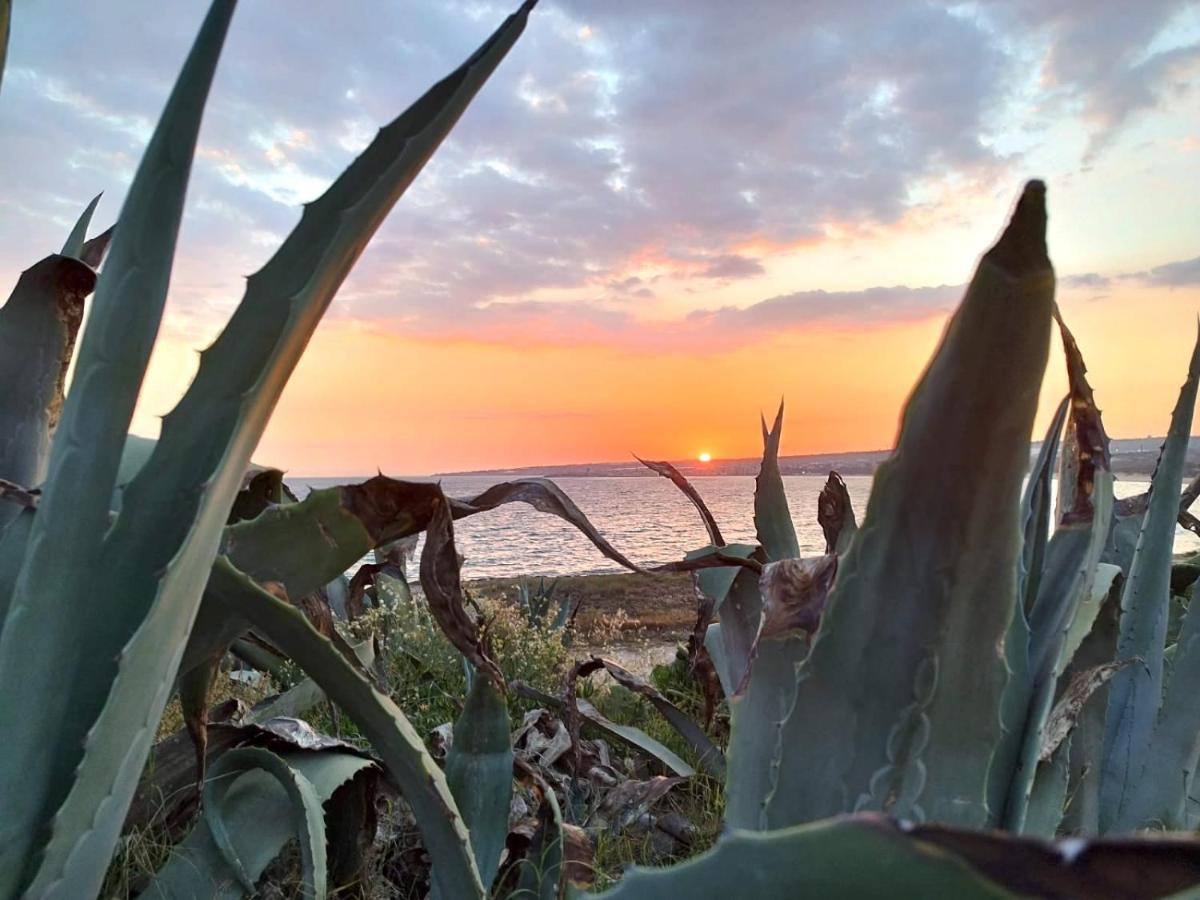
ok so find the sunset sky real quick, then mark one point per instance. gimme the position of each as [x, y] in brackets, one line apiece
[657, 218]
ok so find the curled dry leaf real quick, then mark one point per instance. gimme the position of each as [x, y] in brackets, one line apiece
[1085, 450]
[834, 512]
[666, 470]
[1067, 710]
[629, 801]
[794, 592]
[443, 592]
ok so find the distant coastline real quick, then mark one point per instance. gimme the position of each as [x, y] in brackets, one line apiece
[1130, 456]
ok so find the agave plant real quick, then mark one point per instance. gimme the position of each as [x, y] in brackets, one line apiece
[970, 665]
[97, 636]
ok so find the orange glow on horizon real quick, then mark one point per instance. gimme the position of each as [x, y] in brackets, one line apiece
[705, 457]
[362, 399]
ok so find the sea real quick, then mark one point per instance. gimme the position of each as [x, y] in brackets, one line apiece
[646, 518]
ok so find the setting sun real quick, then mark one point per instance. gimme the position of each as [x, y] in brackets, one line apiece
[705, 457]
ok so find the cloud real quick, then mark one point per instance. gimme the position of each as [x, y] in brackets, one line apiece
[732, 266]
[1087, 281]
[618, 141]
[1186, 272]
[536, 323]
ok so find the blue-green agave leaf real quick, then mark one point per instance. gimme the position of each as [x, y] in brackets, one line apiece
[156, 559]
[756, 736]
[1036, 508]
[1160, 794]
[54, 634]
[77, 239]
[861, 856]
[1048, 796]
[1071, 564]
[479, 772]
[378, 718]
[255, 801]
[932, 572]
[772, 519]
[38, 326]
[1135, 694]
[731, 593]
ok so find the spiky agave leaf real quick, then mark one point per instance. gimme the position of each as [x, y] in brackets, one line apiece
[1056, 586]
[156, 560]
[931, 574]
[56, 609]
[479, 770]
[870, 856]
[1135, 695]
[38, 326]
[772, 519]
[378, 718]
[255, 802]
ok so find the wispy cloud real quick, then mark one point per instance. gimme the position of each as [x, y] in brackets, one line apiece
[618, 136]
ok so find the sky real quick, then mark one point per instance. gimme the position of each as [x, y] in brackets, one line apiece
[657, 219]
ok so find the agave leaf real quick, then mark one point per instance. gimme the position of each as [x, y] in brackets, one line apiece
[1087, 611]
[479, 770]
[835, 514]
[154, 561]
[54, 634]
[544, 496]
[870, 856]
[5, 16]
[254, 803]
[731, 593]
[38, 326]
[1071, 564]
[94, 248]
[709, 754]
[1135, 695]
[78, 236]
[305, 545]
[1086, 752]
[1086, 442]
[1167, 779]
[627, 734]
[1056, 578]
[14, 538]
[772, 519]
[304, 695]
[443, 592]
[1048, 797]
[378, 718]
[862, 856]
[756, 731]
[666, 470]
[1035, 509]
[932, 571]
[760, 684]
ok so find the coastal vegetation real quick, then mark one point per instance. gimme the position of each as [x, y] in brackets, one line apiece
[975, 667]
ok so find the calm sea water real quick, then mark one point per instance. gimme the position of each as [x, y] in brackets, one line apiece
[647, 519]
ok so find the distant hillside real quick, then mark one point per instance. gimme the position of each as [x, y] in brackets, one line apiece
[1130, 456]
